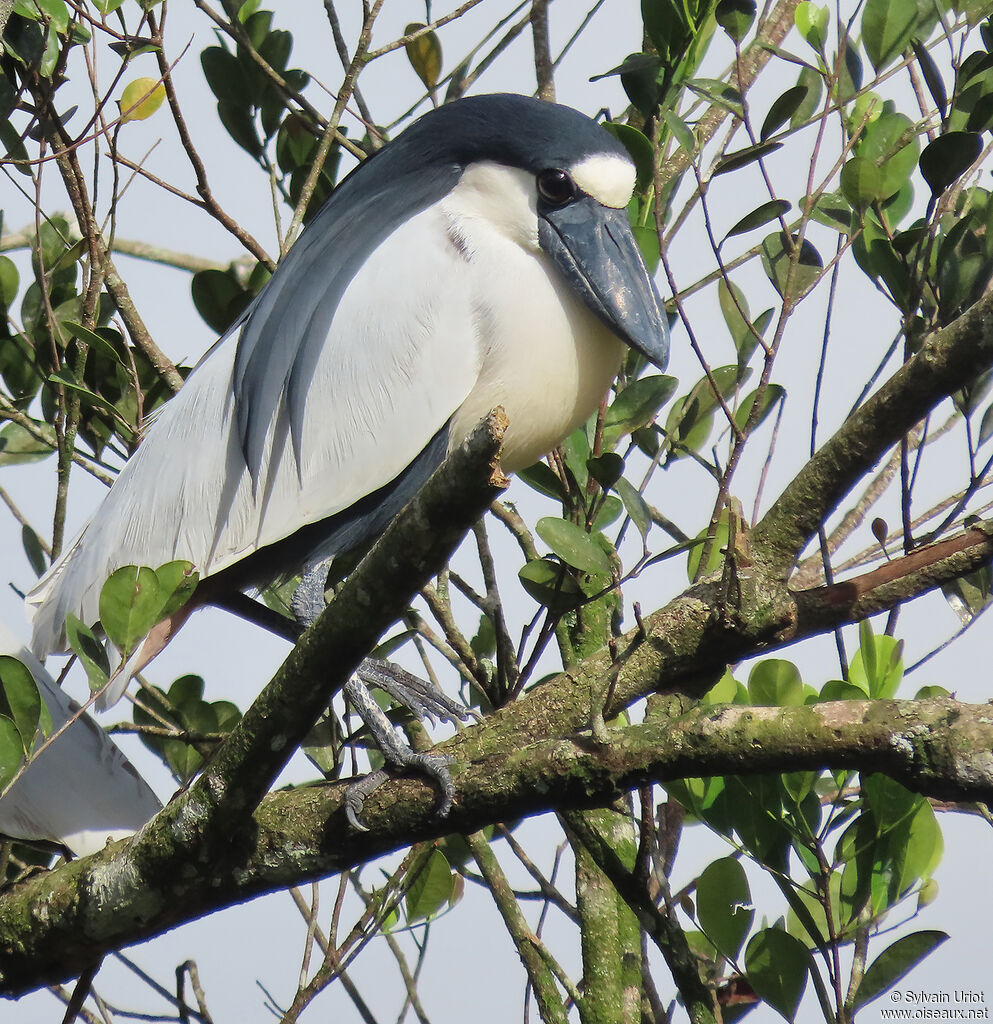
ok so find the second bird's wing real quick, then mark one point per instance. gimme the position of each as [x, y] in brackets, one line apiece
[81, 790]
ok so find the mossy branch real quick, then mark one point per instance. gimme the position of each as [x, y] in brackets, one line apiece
[55, 924]
[949, 360]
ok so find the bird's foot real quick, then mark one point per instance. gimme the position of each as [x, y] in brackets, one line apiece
[400, 759]
[435, 766]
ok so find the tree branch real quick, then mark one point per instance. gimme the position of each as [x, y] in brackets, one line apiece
[54, 924]
[948, 360]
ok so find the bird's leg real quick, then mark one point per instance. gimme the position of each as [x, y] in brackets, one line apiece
[421, 697]
[308, 599]
[397, 753]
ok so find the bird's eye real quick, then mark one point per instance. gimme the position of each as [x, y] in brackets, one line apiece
[556, 187]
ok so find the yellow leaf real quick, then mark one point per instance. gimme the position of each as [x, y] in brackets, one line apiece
[424, 54]
[140, 99]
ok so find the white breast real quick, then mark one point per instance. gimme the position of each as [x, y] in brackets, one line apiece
[546, 358]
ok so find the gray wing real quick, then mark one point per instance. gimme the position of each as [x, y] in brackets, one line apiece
[400, 356]
[281, 340]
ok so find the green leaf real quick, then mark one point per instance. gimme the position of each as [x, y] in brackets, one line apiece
[861, 182]
[129, 605]
[896, 962]
[648, 242]
[218, 298]
[890, 142]
[680, 132]
[542, 478]
[31, 543]
[814, 81]
[887, 26]
[850, 72]
[424, 54]
[608, 511]
[67, 379]
[575, 451]
[791, 282]
[776, 683]
[321, 746]
[21, 701]
[932, 77]
[768, 211]
[18, 447]
[430, 888]
[669, 27]
[177, 581]
[95, 340]
[970, 594]
[247, 9]
[833, 211]
[638, 404]
[724, 691]
[57, 11]
[920, 853]
[878, 663]
[726, 380]
[724, 905]
[225, 76]
[946, 159]
[238, 123]
[771, 395]
[744, 157]
[875, 254]
[734, 307]
[635, 505]
[141, 99]
[135, 598]
[11, 752]
[550, 584]
[718, 92]
[776, 965]
[640, 74]
[891, 803]
[91, 653]
[53, 47]
[8, 281]
[735, 17]
[838, 689]
[981, 116]
[573, 545]
[783, 109]
[606, 469]
[717, 547]
[811, 22]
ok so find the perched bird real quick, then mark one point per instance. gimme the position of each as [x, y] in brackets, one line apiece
[81, 790]
[483, 258]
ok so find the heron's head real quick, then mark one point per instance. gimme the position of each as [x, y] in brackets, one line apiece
[555, 180]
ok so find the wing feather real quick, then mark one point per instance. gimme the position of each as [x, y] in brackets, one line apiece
[81, 790]
[304, 296]
[401, 354]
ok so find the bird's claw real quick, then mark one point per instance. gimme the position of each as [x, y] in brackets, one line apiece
[433, 765]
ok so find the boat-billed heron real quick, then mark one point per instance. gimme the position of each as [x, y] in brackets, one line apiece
[484, 258]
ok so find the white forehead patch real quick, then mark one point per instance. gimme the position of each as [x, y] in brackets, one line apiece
[607, 177]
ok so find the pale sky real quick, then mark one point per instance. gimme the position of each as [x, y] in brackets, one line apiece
[472, 971]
